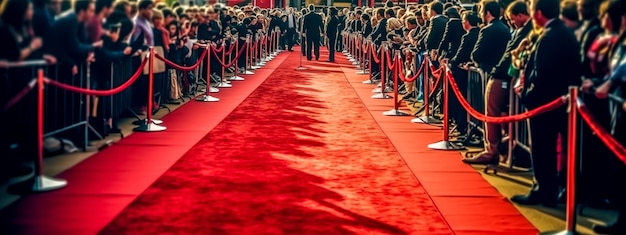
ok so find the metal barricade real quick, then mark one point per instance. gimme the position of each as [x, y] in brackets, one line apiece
[476, 86]
[519, 135]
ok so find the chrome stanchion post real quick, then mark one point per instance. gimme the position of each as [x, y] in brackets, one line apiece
[207, 96]
[236, 77]
[255, 53]
[383, 74]
[362, 54]
[426, 118]
[149, 124]
[369, 46]
[223, 83]
[396, 71]
[42, 183]
[246, 66]
[445, 144]
[570, 203]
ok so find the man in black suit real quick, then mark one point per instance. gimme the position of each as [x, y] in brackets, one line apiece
[493, 38]
[331, 32]
[553, 67]
[462, 56]
[436, 29]
[313, 28]
[452, 36]
[303, 42]
[497, 93]
[378, 36]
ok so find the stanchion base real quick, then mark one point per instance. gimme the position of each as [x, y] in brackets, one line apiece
[362, 73]
[351, 59]
[213, 89]
[207, 98]
[248, 72]
[445, 145]
[301, 68]
[141, 122]
[149, 127]
[369, 82]
[44, 183]
[381, 96]
[426, 120]
[356, 63]
[255, 67]
[396, 112]
[261, 64]
[224, 85]
[380, 89]
[564, 232]
[237, 78]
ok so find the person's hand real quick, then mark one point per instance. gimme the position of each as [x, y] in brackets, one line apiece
[603, 90]
[91, 57]
[74, 70]
[586, 85]
[97, 44]
[518, 90]
[128, 50]
[36, 43]
[50, 59]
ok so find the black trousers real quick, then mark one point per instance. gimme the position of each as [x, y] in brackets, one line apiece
[289, 38]
[545, 129]
[312, 43]
[331, 47]
[458, 113]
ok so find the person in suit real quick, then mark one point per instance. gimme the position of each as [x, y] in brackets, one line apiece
[331, 32]
[452, 35]
[553, 67]
[460, 58]
[291, 29]
[313, 28]
[497, 93]
[436, 28]
[493, 38]
[303, 42]
[378, 35]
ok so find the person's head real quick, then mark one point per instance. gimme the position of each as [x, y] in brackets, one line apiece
[122, 6]
[545, 10]
[612, 16]
[365, 18]
[588, 9]
[173, 28]
[332, 11]
[517, 13]
[452, 13]
[380, 13]
[168, 15]
[55, 6]
[390, 13]
[311, 8]
[17, 13]
[160, 5]
[145, 8]
[157, 18]
[419, 16]
[490, 11]
[84, 9]
[436, 8]
[569, 14]
[411, 22]
[470, 20]
[104, 7]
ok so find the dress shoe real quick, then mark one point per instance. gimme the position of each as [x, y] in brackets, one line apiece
[619, 227]
[534, 199]
[330, 61]
[482, 159]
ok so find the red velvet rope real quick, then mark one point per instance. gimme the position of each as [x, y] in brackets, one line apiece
[375, 54]
[506, 119]
[183, 68]
[231, 63]
[607, 139]
[391, 63]
[232, 47]
[414, 77]
[101, 92]
[19, 96]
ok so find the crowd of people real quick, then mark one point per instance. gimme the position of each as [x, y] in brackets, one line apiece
[537, 48]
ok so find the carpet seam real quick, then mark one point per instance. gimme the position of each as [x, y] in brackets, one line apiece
[343, 66]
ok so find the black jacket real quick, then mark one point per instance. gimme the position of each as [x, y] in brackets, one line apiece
[492, 42]
[464, 53]
[436, 29]
[451, 38]
[501, 71]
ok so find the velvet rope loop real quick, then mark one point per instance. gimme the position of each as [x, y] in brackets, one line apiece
[375, 54]
[607, 139]
[113, 91]
[506, 119]
[183, 68]
[231, 63]
[20, 95]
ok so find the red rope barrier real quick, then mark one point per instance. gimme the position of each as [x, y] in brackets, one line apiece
[113, 91]
[506, 119]
[222, 62]
[391, 63]
[19, 96]
[183, 68]
[375, 54]
[606, 138]
[414, 77]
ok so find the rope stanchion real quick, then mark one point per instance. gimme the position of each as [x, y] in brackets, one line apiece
[395, 71]
[222, 83]
[20, 95]
[148, 125]
[364, 70]
[370, 62]
[383, 75]
[426, 118]
[505, 119]
[42, 183]
[246, 67]
[183, 68]
[110, 92]
[606, 138]
[207, 96]
[236, 77]
[445, 144]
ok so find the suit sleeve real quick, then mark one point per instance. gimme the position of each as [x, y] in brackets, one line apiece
[481, 50]
[447, 38]
[463, 50]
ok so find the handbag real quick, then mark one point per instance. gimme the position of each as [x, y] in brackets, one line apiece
[175, 91]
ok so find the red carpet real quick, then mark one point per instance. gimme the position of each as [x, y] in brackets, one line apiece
[301, 155]
[100, 187]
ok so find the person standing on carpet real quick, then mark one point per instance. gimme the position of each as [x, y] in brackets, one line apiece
[331, 32]
[313, 28]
